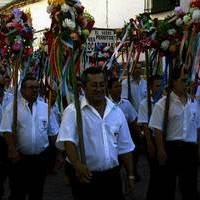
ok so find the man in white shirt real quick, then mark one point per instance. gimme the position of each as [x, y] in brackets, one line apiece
[177, 150]
[143, 120]
[106, 138]
[138, 88]
[28, 149]
[130, 113]
[3, 149]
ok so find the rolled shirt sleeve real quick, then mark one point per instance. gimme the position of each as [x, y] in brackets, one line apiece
[157, 117]
[7, 119]
[143, 113]
[125, 143]
[67, 131]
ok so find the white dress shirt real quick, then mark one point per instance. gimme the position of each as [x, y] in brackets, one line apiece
[128, 110]
[138, 91]
[104, 138]
[143, 112]
[183, 119]
[32, 127]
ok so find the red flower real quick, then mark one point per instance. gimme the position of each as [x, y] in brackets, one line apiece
[27, 35]
[90, 25]
[15, 25]
[154, 44]
[79, 8]
[28, 51]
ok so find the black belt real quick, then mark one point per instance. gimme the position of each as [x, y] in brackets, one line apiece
[107, 171]
[180, 143]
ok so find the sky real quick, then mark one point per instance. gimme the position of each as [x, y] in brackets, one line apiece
[119, 11]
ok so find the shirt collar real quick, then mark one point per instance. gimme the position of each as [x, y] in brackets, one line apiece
[177, 99]
[109, 105]
[24, 101]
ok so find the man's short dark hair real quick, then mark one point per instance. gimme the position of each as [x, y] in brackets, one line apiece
[176, 72]
[91, 70]
[28, 77]
[112, 81]
[154, 78]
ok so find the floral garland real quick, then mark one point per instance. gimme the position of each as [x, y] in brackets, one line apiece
[16, 36]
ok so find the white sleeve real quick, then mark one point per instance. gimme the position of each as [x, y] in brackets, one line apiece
[132, 112]
[54, 126]
[143, 113]
[124, 92]
[67, 131]
[125, 142]
[157, 117]
[7, 119]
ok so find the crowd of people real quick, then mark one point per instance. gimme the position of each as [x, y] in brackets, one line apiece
[116, 126]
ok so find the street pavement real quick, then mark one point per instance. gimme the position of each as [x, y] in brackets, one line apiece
[57, 188]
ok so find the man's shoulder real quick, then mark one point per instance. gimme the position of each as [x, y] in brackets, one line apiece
[161, 102]
[42, 104]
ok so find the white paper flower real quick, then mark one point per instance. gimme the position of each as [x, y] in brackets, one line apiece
[68, 23]
[65, 7]
[171, 31]
[196, 16]
[165, 45]
[179, 22]
[186, 19]
[49, 9]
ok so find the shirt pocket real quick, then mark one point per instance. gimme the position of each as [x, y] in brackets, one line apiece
[43, 124]
[114, 133]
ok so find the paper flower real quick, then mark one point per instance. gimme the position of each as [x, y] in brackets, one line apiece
[179, 11]
[179, 22]
[68, 23]
[165, 45]
[196, 16]
[17, 13]
[65, 8]
[171, 31]
[186, 19]
[50, 9]
[17, 45]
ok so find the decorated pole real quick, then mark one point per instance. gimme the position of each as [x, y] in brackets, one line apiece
[15, 86]
[148, 75]
[167, 103]
[16, 36]
[70, 28]
[78, 113]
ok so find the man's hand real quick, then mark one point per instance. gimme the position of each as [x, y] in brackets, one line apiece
[13, 154]
[60, 161]
[162, 156]
[83, 173]
[151, 149]
[131, 184]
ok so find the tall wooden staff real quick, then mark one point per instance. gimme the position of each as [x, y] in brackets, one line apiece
[78, 108]
[15, 86]
[128, 73]
[167, 103]
[148, 85]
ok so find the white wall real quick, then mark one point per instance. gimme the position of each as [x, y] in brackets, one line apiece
[185, 4]
[119, 12]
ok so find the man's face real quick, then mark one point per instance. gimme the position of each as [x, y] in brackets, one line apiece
[181, 84]
[95, 87]
[30, 90]
[137, 72]
[115, 91]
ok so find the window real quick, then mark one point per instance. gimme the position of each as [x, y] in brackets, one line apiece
[157, 6]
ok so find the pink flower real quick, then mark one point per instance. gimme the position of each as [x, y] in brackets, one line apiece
[17, 46]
